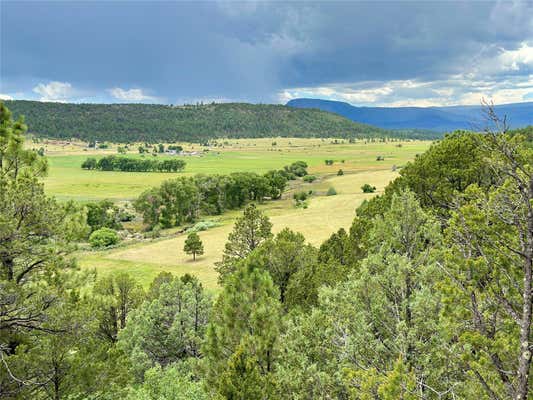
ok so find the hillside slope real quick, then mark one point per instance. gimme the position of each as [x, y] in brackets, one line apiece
[439, 119]
[155, 123]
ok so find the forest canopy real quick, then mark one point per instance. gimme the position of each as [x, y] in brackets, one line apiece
[155, 123]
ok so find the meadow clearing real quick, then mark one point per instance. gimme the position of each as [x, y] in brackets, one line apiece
[324, 215]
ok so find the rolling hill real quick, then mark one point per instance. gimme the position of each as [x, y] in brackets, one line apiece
[440, 119]
[197, 123]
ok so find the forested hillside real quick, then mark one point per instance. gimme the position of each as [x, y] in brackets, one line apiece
[163, 123]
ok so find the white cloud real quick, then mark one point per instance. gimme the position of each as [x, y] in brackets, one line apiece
[5, 97]
[130, 94]
[513, 60]
[457, 90]
[54, 91]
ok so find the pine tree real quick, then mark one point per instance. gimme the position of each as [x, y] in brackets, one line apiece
[250, 230]
[193, 245]
[240, 348]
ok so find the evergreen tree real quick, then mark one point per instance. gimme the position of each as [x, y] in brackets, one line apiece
[249, 231]
[489, 273]
[241, 345]
[285, 257]
[386, 311]
[168, 328]
[193, 245]
[117, 295]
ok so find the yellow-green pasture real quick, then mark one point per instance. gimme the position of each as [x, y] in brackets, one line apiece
[66, 179]
[324, 215]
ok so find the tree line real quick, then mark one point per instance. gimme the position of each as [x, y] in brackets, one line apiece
[128, 164]
[181, 200]
[428, 294]
[154, 123]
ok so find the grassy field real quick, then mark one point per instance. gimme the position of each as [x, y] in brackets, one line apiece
[324, 215]
[67, 180]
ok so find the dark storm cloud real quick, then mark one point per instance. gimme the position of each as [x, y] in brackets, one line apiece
[256, 51]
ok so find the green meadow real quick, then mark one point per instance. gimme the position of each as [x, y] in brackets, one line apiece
[324, 215]
[67, 180]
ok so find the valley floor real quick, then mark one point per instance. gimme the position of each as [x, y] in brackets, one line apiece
[324, 215]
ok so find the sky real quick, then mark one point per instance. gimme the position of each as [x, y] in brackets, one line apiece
[396, 53]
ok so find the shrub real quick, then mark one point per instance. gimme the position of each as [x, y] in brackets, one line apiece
[368, 188]
[329, 162]
[331, 191]
[300, 196]
[154, 233]
[90, 163]
[298, 168]
[103, 237]
[380, 158]
[340, 172]
[309, 178]
[202, 226]
[300, 199]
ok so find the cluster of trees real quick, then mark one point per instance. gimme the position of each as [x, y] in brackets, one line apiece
[182, 200]
[427, 296]
[128, 164]
[154, 123]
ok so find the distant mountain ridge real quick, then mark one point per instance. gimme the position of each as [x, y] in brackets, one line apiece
[440, 119]
[198, 123]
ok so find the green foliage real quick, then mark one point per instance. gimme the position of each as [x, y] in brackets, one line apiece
[287, 258]
[193, 245]
[128, 164]
[173, 203]
[47, 345]
[103, 237]
[168, 383]
[249, 231]
[309, 178]
[329, 162]
[14, 159]
[174, 147]
[157, 282]
[116, 296]
[331, 191]
[367, 188]
[438, 175]
[90, 163]
[488, 264]
[296, 169]
[104, 214]
[181, 200]
[300, 196]
[340, 172]
[167, 329]
[300, 199]
[202, 226]
[161, 123]
[447, 169]
[240, 349]
[385, 311]
[277, 181]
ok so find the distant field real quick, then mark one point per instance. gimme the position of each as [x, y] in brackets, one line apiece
[67, 180]
[325, 214]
